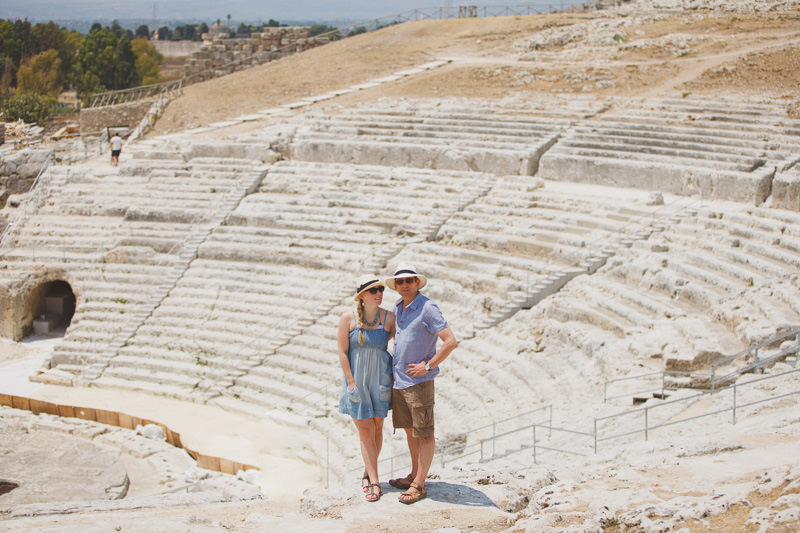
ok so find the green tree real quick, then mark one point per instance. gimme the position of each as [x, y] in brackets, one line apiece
[184, 33]
[164, 34]
[28, 107]
[7, 78]
[357, 31]
[142, 31]
[125, 74]
[20, 41]
[148, 61]
[119, 31]
[330, 31]
[16, 41]
[104, 63]
[41, 75]
[50, 36]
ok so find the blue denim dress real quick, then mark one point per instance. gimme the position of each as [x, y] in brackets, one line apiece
[371, 365]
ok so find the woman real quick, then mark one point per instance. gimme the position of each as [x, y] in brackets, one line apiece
[363, 337]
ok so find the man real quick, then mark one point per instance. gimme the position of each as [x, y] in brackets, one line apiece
[116, 148]
[419, 324]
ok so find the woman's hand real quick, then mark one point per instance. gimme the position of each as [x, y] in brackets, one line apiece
[352, 393]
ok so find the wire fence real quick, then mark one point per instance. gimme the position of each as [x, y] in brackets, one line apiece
[166, 89]
[464, 11]
[754, 361]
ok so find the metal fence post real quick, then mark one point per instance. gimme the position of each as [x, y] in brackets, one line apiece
[327, 462]
[494, 438]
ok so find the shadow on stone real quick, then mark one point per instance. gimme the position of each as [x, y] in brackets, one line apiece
[457, 494]
[7, 486]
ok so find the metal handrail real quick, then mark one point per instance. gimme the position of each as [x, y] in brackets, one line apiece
[645, 412]
[711, 377]
[135, 93]
[751, 350]
[477, 447]
[647, 409]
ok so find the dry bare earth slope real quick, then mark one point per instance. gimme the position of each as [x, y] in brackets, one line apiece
[581, 53]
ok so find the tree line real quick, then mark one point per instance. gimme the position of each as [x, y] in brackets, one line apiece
[40, 61]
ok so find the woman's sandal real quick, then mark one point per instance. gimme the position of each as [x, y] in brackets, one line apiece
[414, 494]
[365, 486]
[372, 495]
[402, 482]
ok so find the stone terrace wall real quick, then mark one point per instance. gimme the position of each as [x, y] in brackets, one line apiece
[223, 56]
[95, 119]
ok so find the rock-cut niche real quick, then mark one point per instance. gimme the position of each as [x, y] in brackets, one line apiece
[52, 305]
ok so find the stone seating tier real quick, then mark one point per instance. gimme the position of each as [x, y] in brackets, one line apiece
[720, 112]
[418, 154]
[625, 146]
[496, 135]
[214, 336]
[746, 264]
[741, 308]
[685, 180]
[199, 363]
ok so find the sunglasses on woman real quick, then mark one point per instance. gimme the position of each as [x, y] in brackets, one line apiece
[400, 281]
[375, 290]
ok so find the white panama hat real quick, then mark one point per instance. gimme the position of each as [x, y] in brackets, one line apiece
[365, 283]
[406, 271]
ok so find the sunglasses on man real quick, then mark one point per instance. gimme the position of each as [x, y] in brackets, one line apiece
[400, 281]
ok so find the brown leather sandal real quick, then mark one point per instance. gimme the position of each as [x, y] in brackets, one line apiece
[365, 486]
[402, 482]
[373, 495]
[414, 494]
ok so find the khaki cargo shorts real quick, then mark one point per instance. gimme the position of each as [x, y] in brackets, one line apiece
[413, 408]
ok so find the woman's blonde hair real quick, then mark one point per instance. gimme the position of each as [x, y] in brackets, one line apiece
[360, 315]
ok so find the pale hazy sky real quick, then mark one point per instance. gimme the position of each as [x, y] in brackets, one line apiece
[239, 10]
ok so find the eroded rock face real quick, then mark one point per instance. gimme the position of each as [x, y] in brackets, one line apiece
[18, 300]
[50, 462]
[18, 170]
[50, 466]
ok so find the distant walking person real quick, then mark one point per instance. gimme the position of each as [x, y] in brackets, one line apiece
[116, 148]
[419, 324]
[363, 338]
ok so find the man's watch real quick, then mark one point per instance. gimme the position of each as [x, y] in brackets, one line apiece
[427, 366]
